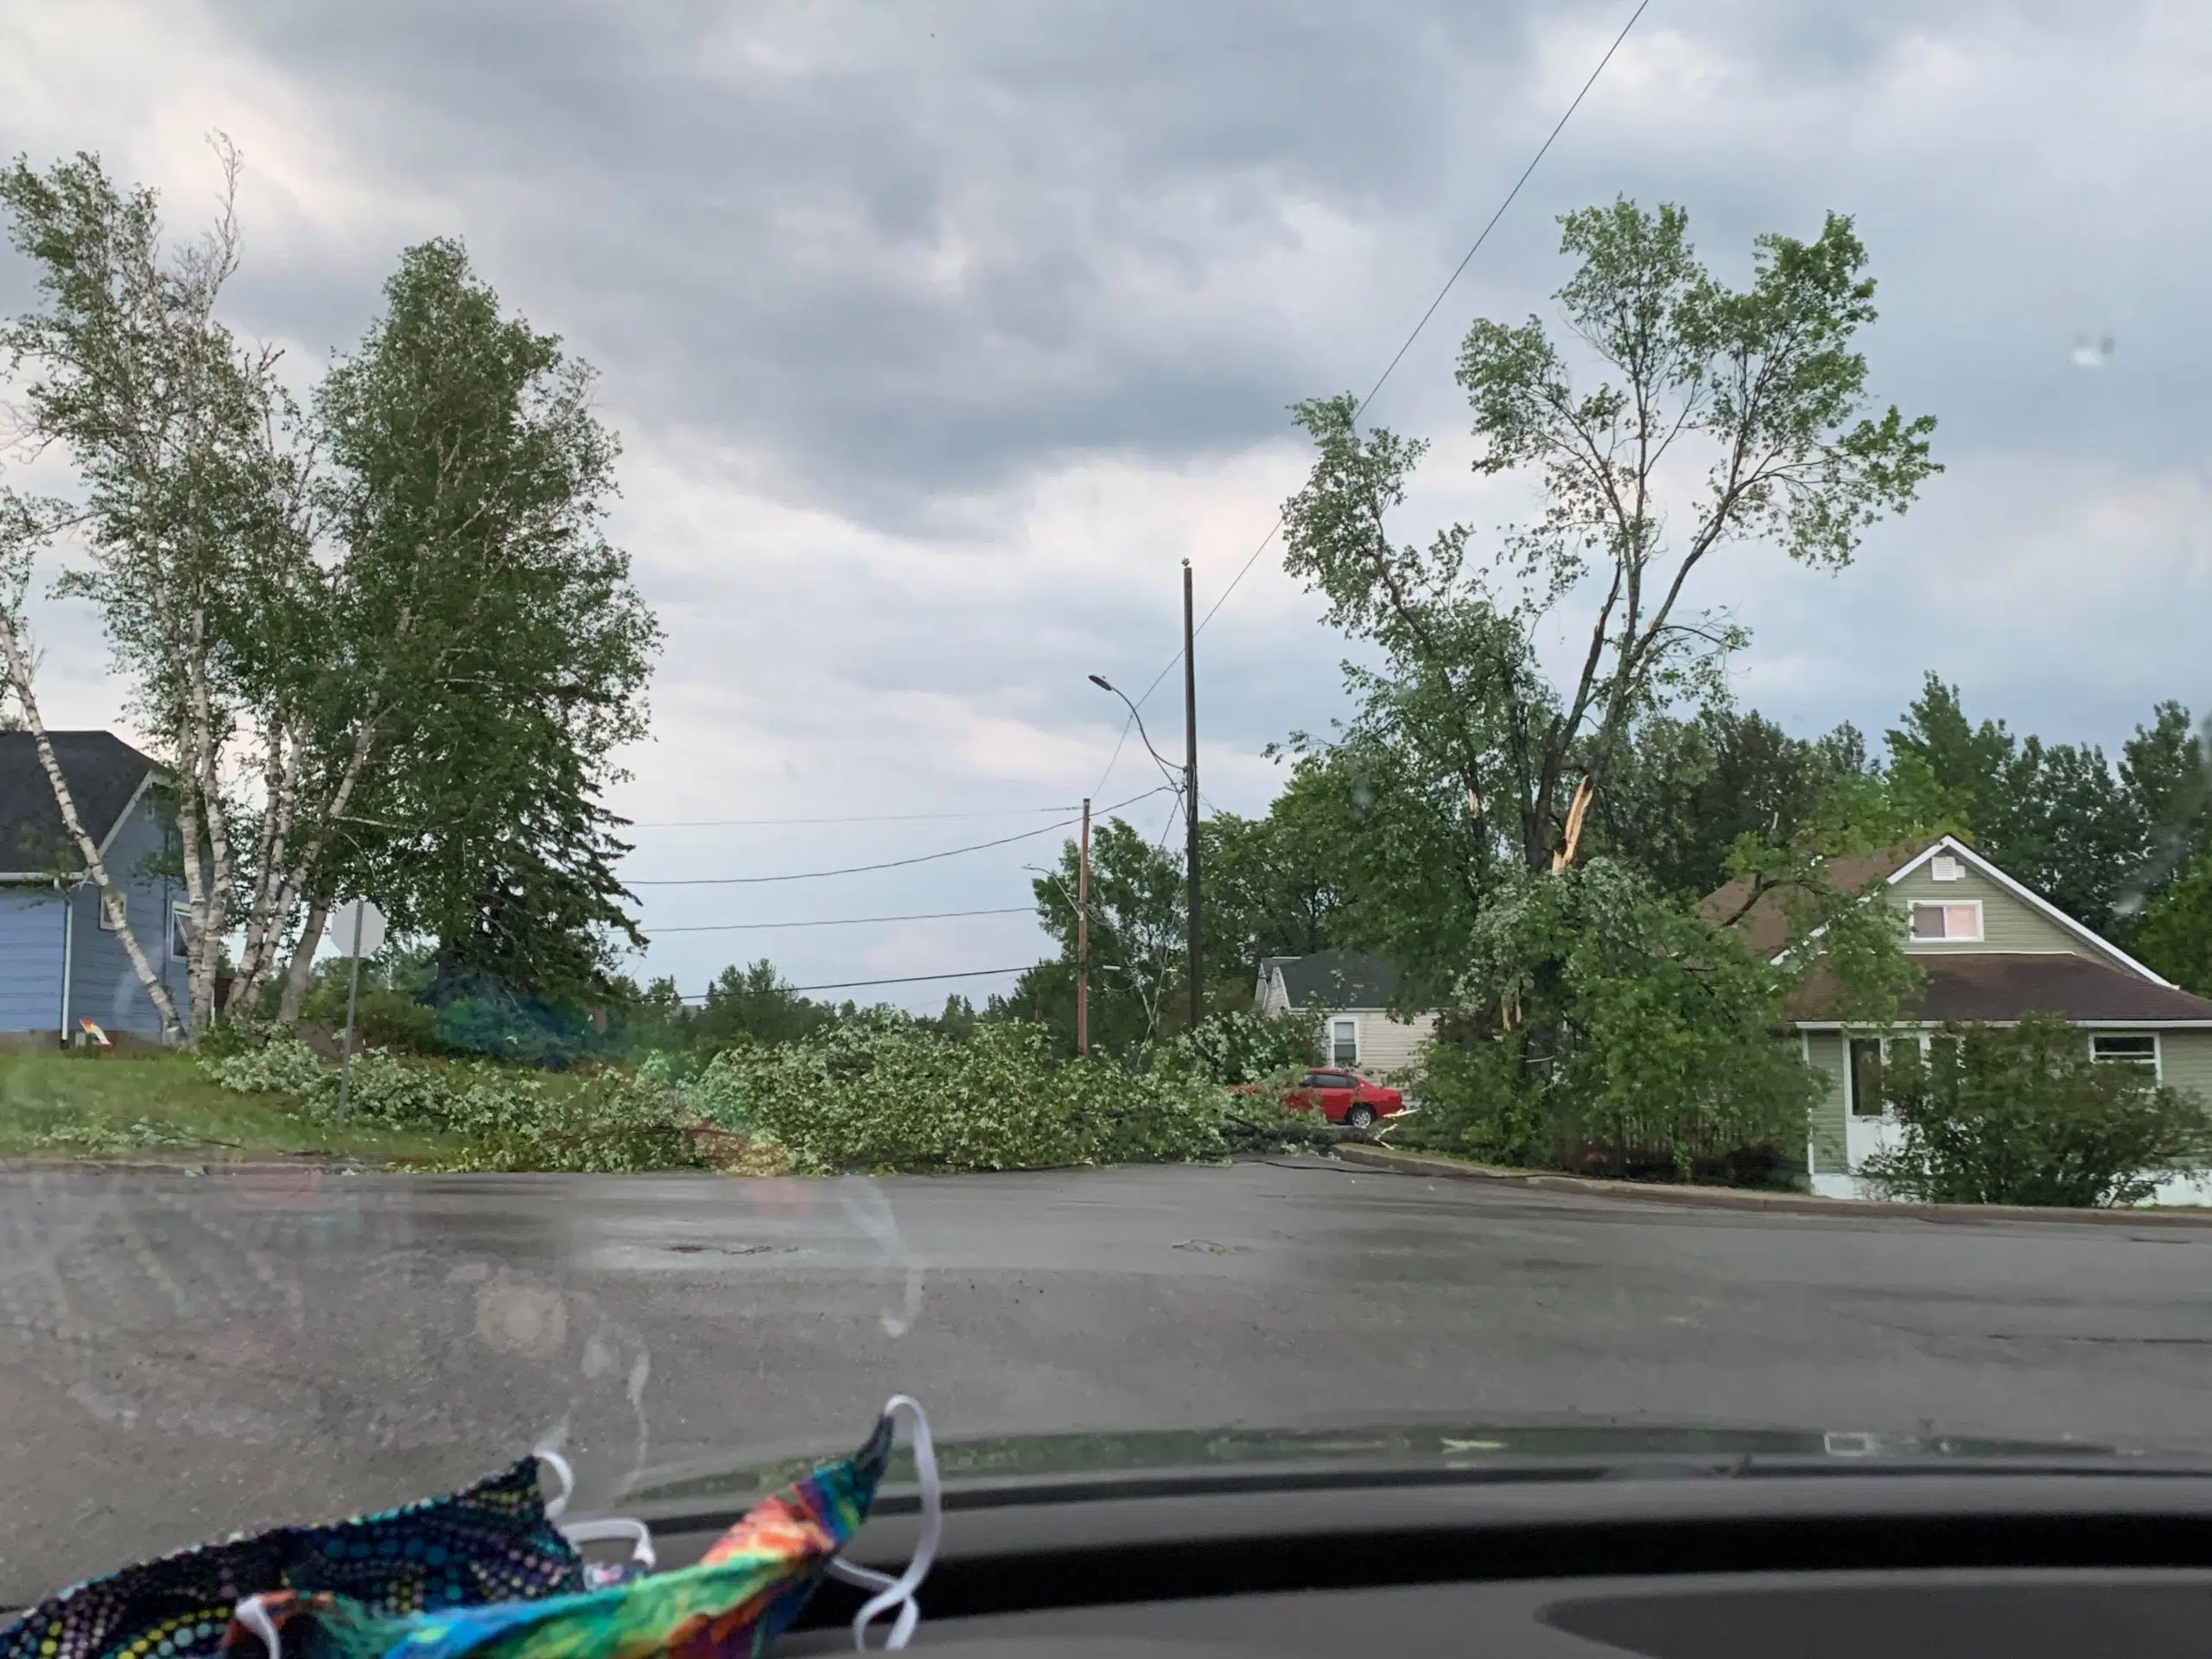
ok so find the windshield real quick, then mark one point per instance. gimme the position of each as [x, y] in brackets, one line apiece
[1417, 737]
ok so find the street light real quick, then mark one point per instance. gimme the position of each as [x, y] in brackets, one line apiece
[1169, 772]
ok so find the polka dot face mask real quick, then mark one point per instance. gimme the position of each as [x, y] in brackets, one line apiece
[492, 1542]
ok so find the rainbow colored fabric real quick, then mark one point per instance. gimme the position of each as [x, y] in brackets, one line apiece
[743, 1593]
[490, 1542]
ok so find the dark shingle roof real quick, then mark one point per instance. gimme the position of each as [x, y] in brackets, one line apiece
[1765, 926]
[2003, 985]
[1336, 979]
[103, 773]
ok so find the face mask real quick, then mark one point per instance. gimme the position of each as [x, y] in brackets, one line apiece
[742, 1594]
[493, 1543]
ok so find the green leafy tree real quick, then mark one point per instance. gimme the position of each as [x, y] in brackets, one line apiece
[190, 507]
[491, 653]
[2023, 1114]
[1686, 790]
[1755, 397]
[1138, 938]
[2173, 935]
[1277, 886]
[754, 1006]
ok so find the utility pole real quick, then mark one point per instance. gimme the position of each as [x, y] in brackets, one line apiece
[1191, 794]
[1083, 937]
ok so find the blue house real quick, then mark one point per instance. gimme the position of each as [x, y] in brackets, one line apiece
[60, 960]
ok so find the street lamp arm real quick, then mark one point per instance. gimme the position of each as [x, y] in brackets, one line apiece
[1173, 772]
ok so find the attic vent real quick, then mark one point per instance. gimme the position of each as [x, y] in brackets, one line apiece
[1945, 869]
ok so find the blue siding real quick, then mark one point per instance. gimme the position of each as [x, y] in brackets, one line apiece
[30, 959]
[104, 986]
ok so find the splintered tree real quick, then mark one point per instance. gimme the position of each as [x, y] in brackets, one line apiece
[1711, 417]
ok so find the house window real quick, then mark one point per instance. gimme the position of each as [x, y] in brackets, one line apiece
[1344, 1042]
[1945, 869]
[112, 912]
[1866, 1068]
[2126, 1048]
[179, 932]
[1961, 921]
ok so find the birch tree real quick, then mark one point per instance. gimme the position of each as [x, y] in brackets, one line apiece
[170, 424]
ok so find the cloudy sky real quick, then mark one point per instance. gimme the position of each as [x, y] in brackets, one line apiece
[939, 335]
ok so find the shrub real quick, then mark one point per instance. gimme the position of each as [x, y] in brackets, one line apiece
[2024, 1115]
[881, 1092]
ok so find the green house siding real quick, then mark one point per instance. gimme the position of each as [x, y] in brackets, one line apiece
[2008, 922]
[2186, 1060]
[1824, 1050]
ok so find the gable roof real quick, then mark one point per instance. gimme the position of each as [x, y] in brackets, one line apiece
[1335, 979]
[2003, 985]
[104, 775]
[1765, 926]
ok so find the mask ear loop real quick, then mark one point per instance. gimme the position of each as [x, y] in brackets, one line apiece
[899, 1592]
[559, 1466]
[251, 1613]
[616, 1526]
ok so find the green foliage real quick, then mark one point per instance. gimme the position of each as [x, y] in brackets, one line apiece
[1686, 791]
[2056, 815]
[882, 1093]
[1243, 1046]
[502, 652]
[2175, 933]
[755, 1007]
[1277, 886]
[1601, 1022]
[504, 1118]
[1138, 944]
[2024, 1115]
[1757, 401]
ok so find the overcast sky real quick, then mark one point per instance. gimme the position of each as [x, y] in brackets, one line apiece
[939, 335]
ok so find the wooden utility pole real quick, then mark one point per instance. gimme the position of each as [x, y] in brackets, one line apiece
[1083, 937]
[1191, 796]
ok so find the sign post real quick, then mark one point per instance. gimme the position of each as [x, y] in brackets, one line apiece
[360, 932]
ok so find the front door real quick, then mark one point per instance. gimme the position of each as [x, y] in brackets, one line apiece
[1869, 1126]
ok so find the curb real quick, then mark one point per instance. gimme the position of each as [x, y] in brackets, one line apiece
[1729, 1198]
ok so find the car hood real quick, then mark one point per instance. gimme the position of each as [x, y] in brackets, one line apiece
[1097, 1462]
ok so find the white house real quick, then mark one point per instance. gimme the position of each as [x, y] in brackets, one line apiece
[1352, 991]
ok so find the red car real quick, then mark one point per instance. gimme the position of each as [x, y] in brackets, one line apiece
[1345, 1097]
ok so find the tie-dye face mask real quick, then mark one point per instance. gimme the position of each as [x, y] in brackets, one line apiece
[492, 1542]
[746, 1590]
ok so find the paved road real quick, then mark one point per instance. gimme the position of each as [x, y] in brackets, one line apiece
[182, 1355]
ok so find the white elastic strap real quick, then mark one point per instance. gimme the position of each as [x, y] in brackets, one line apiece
[251, 1614]
[899, 1592]
[559, 1466]
[616, 1526]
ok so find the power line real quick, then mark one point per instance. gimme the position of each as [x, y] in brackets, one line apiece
[847, 921]
[886, 864]
[903, 979]
[1449, 283]
[881, 818]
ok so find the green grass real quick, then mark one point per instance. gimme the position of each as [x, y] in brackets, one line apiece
[159, 1107]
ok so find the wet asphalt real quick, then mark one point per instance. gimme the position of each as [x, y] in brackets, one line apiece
[185, 1354]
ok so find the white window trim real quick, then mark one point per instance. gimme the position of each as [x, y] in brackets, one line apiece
[176, 910]
[2158, 1049]
[112, 920]
[1980, 929]
[1352, 1064]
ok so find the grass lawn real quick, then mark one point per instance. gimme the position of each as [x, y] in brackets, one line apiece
[159, 1107]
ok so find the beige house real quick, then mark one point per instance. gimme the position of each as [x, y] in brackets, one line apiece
[1352, 992]
[1990, 950]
